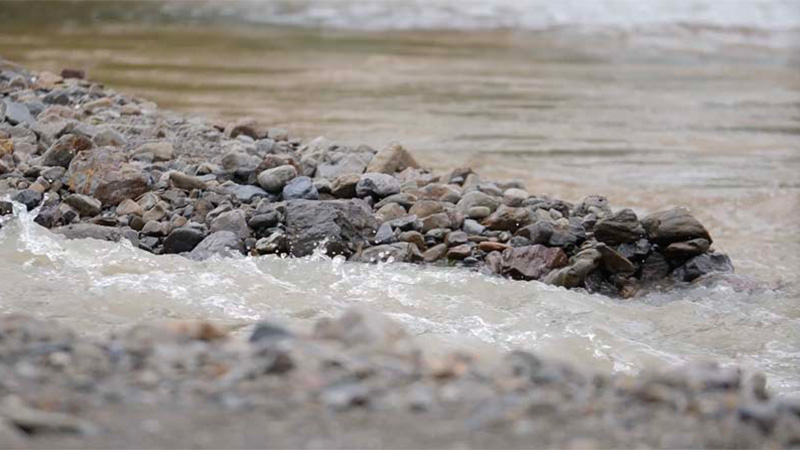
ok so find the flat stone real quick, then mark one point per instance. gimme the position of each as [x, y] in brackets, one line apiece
[425, 208]
[222, 243]
[300, 188]
[84, 204]
[459, 252]
[103, 174]
[183, 239]
[233, 221]
[17, 113]
[377, 185]
[703, 265]
[161, 151]
[273, 180]
[532, 262]
[580, 266]
[687, 249]
[435, 253]
[674, 225]
[392, 159]
[64, 149]
[246, 193]
[186, 182]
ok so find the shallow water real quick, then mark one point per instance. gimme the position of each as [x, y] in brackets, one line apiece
[707, 117]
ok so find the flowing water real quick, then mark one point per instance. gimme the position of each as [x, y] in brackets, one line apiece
[699, 106]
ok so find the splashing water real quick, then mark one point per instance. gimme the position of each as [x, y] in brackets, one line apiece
[95, 286]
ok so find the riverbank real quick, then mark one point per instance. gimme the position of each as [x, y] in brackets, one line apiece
[107, 166]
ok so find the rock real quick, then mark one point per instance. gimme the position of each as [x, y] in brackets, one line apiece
[655, 267]
[455, 238]
[580, 266]
[129, 206]
[154, 228]
[233, 221]
[593, 204]
[268, 332]
[506, 218]
[240, 164]
[389, 212]
[276, 242]
[6, 208]
[547, 233]
[435, 253]
[103, 174]
[489, 246]
[532, 262]
[161, 151]
[186, 182]
[341, 164]
[109, 137]
[85, 205]
[459, 252]
[403, 199]
[362, 329]
[222, 243]
[440, 192]
[683, 250]
[345, 186]
[342, 224]
[377, 185]
[183, 239]
[478, 212]
[619, 228]
[36, 421]
[477, 198]
[425, 208]
[438, 220]
[384, 235]
[635, 251]
[246, 126]
[514, 197]
[300, 188]
[29, 198]
[413, 237]
[64, 149]
[392, 159]
[78, 74]
[156, 213]
[703, 265]
[52, 174]
[613, 262]
[273, 180]
[674, 225]
[246, 193]
[17, 113]
[396, 252]
[90, 231]
[472, 227]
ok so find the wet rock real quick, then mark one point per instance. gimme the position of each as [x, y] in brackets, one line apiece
[413, 237]
[548, 233]
[619, 228]
[186, 182]
[275, 243]
[6, 208]
[506, 218]
[90, 231]
[396, 252]
[28, 197]
[613, 262]
[233, 221]
[635, 251]
[269, 332]
[342, 224]
[472, 227]
[435, 253]
[703, 265]
[674, 225]
[384, 235]
[377, 185]
[532, 262]
[489, 246]
[655, 267]
[580, 266]
[459, 252]
[64, 149]
[478, 212]
[183, 239]
[85, 205]
[273, 180]
[683, 250]
[300, 188]
[156, 213]
[160, 151]
[392, 159]
[222, 243]
[103, 174]
[456, 238]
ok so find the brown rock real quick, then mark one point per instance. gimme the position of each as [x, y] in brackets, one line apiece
[674, 225]
[489, 246]
[533, 261]
[434, 253]
[186, 182]
[425, 208]
[507, 218]
[459, 252]
[345, 186]
[694, 247]
[392, 159]
[103, 174]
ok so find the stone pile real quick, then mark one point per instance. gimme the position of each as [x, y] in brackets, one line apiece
[99, 164]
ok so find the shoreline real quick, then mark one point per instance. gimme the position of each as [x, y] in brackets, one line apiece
[102, 165]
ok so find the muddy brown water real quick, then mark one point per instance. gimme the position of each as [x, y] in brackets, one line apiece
[703, 117]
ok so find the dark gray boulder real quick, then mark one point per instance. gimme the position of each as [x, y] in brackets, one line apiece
[702, 265]
[619, 228]
[28, 197]
[674, 225]
[300, 188]
[183, 239]
[223, 243]
[343, 225]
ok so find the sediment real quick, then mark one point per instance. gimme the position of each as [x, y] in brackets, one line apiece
[100, 164]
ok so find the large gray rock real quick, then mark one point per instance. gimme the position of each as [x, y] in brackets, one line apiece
[17, 113]
[104, 174]
[233, 221]
[28, 197]
[273, 180]
[580, 266]
[85, 205]
[342, 224]
[377, 185]
[300, 188]
[223, 243]
[674, 225]
[392, 159]
[337, 164]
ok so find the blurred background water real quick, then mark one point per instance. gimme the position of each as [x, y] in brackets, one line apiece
[653, 103]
